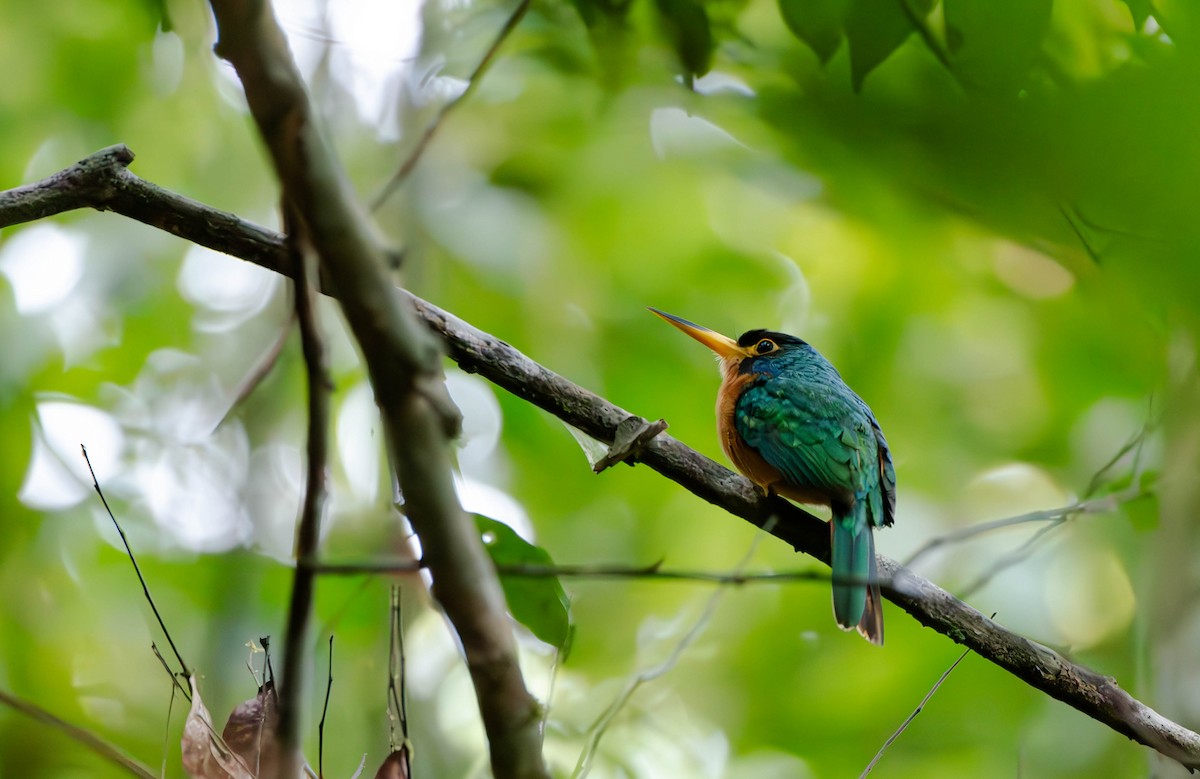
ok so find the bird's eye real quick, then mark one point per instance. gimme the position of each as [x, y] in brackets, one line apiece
[765, 346]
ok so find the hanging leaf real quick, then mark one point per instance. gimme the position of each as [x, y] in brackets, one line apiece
[205, 754]
[250, 731]
[993, 45]
[816, 22]
[538, 602]
[1143, 512]
[687, 26]
[875, 29]
[395, 765]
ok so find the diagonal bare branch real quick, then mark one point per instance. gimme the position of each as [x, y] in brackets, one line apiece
[90, 740]
[1089, 692]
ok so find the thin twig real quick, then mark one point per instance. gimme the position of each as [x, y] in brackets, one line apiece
[254, 649]
[397, 693]
[1006, 561]
[548, 706]
[166, 748]
[132, 559]
[393, 699]
[1091, 251]
[166, 667]
[295, 650]
[1136, 442]
[403, 669]
[397, 702]
[88, 739]
[324, 712]
[269, 672]
[904, 725]
[1057, 515]
[435, 124]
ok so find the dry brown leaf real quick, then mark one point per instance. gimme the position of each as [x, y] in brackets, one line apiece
[205, 754]
[250, 731]
[395, 765]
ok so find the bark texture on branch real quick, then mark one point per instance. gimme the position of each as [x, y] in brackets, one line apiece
[404, 363]
[1093, 694]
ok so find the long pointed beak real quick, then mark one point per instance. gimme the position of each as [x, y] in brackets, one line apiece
[721, 344]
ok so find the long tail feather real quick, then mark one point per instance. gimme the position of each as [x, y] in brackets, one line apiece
[870, 626]
[856, 606]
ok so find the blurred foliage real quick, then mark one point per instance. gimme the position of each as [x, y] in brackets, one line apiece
[983, 213]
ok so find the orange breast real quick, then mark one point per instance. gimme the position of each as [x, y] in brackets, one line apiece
[748, 461]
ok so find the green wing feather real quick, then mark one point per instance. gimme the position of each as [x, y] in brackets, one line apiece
[820, 439]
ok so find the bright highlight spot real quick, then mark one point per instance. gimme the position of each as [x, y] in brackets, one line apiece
[359, 439]
[368, 46]
[381, 34]
[194, 492]
[479, 498]
[715, 82]
[43, 264]
[1013, 489]
[57, 477]
[230, 291]
[165, 72]
[673, 131]
[273, 492]
[481, 419]
[191, 464]
[1031, 273]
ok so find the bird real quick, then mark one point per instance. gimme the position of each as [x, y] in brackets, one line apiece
[790, 423]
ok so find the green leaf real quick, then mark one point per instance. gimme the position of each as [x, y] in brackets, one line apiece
[992, 45]
[538, 602]
[160, 14]
[597, 12]
[816, 22]
[1143, 512]
[1140, 11]
[1118, 484]
[875, 29]
[688, 28]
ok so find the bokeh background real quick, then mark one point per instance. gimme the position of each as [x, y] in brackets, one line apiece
[993, 237]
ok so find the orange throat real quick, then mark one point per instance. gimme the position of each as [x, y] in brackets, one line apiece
[744, 457]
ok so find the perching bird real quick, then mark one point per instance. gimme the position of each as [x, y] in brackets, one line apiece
[792, 426]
